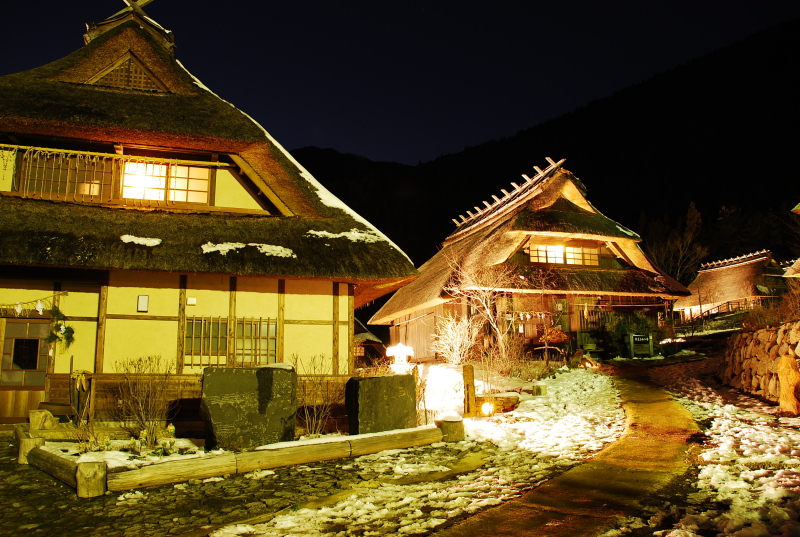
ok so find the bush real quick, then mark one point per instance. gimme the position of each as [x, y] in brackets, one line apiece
[318, 393]
[143, 397]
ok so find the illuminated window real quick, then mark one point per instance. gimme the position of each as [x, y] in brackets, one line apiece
[547, 253]
[189, 183]
[569, 255]
[582, 256]
[144, 181]
[159, 182]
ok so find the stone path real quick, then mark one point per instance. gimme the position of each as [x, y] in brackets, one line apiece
[587, 499]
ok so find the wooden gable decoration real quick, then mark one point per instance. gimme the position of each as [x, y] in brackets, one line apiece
[128, 73]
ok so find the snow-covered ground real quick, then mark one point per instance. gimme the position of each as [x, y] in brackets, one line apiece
[543, 437]
[748, 483]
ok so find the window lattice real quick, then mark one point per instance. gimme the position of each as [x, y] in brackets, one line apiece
[256, 342]
[128, 75]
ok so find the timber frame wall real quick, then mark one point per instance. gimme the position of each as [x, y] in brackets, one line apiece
[312, 317]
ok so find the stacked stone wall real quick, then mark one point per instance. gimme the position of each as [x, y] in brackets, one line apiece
[751, 359]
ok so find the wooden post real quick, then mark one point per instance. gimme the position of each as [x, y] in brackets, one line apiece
[42, 419]
[280, 323]
[468, 371]
[91, 479]
[181, 323]
[25, 442]
[452, 429]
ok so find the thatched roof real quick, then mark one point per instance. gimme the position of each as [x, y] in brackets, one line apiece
[70, 99]
[552, 208]
[733, 279]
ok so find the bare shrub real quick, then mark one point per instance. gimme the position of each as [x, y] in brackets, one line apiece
[142, 395]
[782, 311]
[454, 338]
[318, 393]
[380, 367]
[790, 302]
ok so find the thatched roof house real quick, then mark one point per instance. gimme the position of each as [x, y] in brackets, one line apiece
[122, 173]
[565, 250]
[794, 270]
[733, 284]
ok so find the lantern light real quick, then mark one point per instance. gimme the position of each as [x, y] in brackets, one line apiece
[400, 353]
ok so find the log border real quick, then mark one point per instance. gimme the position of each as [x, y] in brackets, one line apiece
[90, 480]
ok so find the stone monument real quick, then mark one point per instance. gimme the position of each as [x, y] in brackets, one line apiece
[384, 403]
[247, 407]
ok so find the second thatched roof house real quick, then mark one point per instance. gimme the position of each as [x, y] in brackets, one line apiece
[730, 285]
[574, 268]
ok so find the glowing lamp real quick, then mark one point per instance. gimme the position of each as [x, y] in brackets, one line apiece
[400, 353]
[487, 409]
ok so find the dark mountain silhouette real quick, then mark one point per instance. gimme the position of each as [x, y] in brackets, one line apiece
[721, 130]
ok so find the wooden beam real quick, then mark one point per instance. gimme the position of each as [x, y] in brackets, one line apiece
[259, 181]
[335, 323]
[102, 311]
[231, 350]
[280, 328]
[173, 472]
[351, 324]
[181, 343]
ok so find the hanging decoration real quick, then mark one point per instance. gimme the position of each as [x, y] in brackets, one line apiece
[60, 332]
[27, 308]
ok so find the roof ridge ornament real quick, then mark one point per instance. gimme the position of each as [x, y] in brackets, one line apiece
[740, 259]
[133, 5]
[133, 10]
[518, 192]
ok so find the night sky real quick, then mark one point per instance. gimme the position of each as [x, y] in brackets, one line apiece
[407, 81]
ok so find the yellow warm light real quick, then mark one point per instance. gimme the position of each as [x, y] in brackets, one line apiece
[487, 409]
[145, 181]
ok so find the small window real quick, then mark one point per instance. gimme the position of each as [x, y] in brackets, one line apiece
[256, 341]
[25, 354]
[206, 341]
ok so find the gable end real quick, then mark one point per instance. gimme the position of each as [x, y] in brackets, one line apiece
[128, 73]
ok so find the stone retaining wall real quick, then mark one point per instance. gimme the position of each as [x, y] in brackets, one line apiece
[751, 359]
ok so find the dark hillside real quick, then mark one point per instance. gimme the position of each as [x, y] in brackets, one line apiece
[721, 130]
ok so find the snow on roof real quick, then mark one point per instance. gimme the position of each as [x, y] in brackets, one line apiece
[266, 249]
[325, 195]
[354, 235]
[144, 241]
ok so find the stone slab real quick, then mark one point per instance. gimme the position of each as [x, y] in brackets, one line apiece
[384, 403]
[247, 407]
